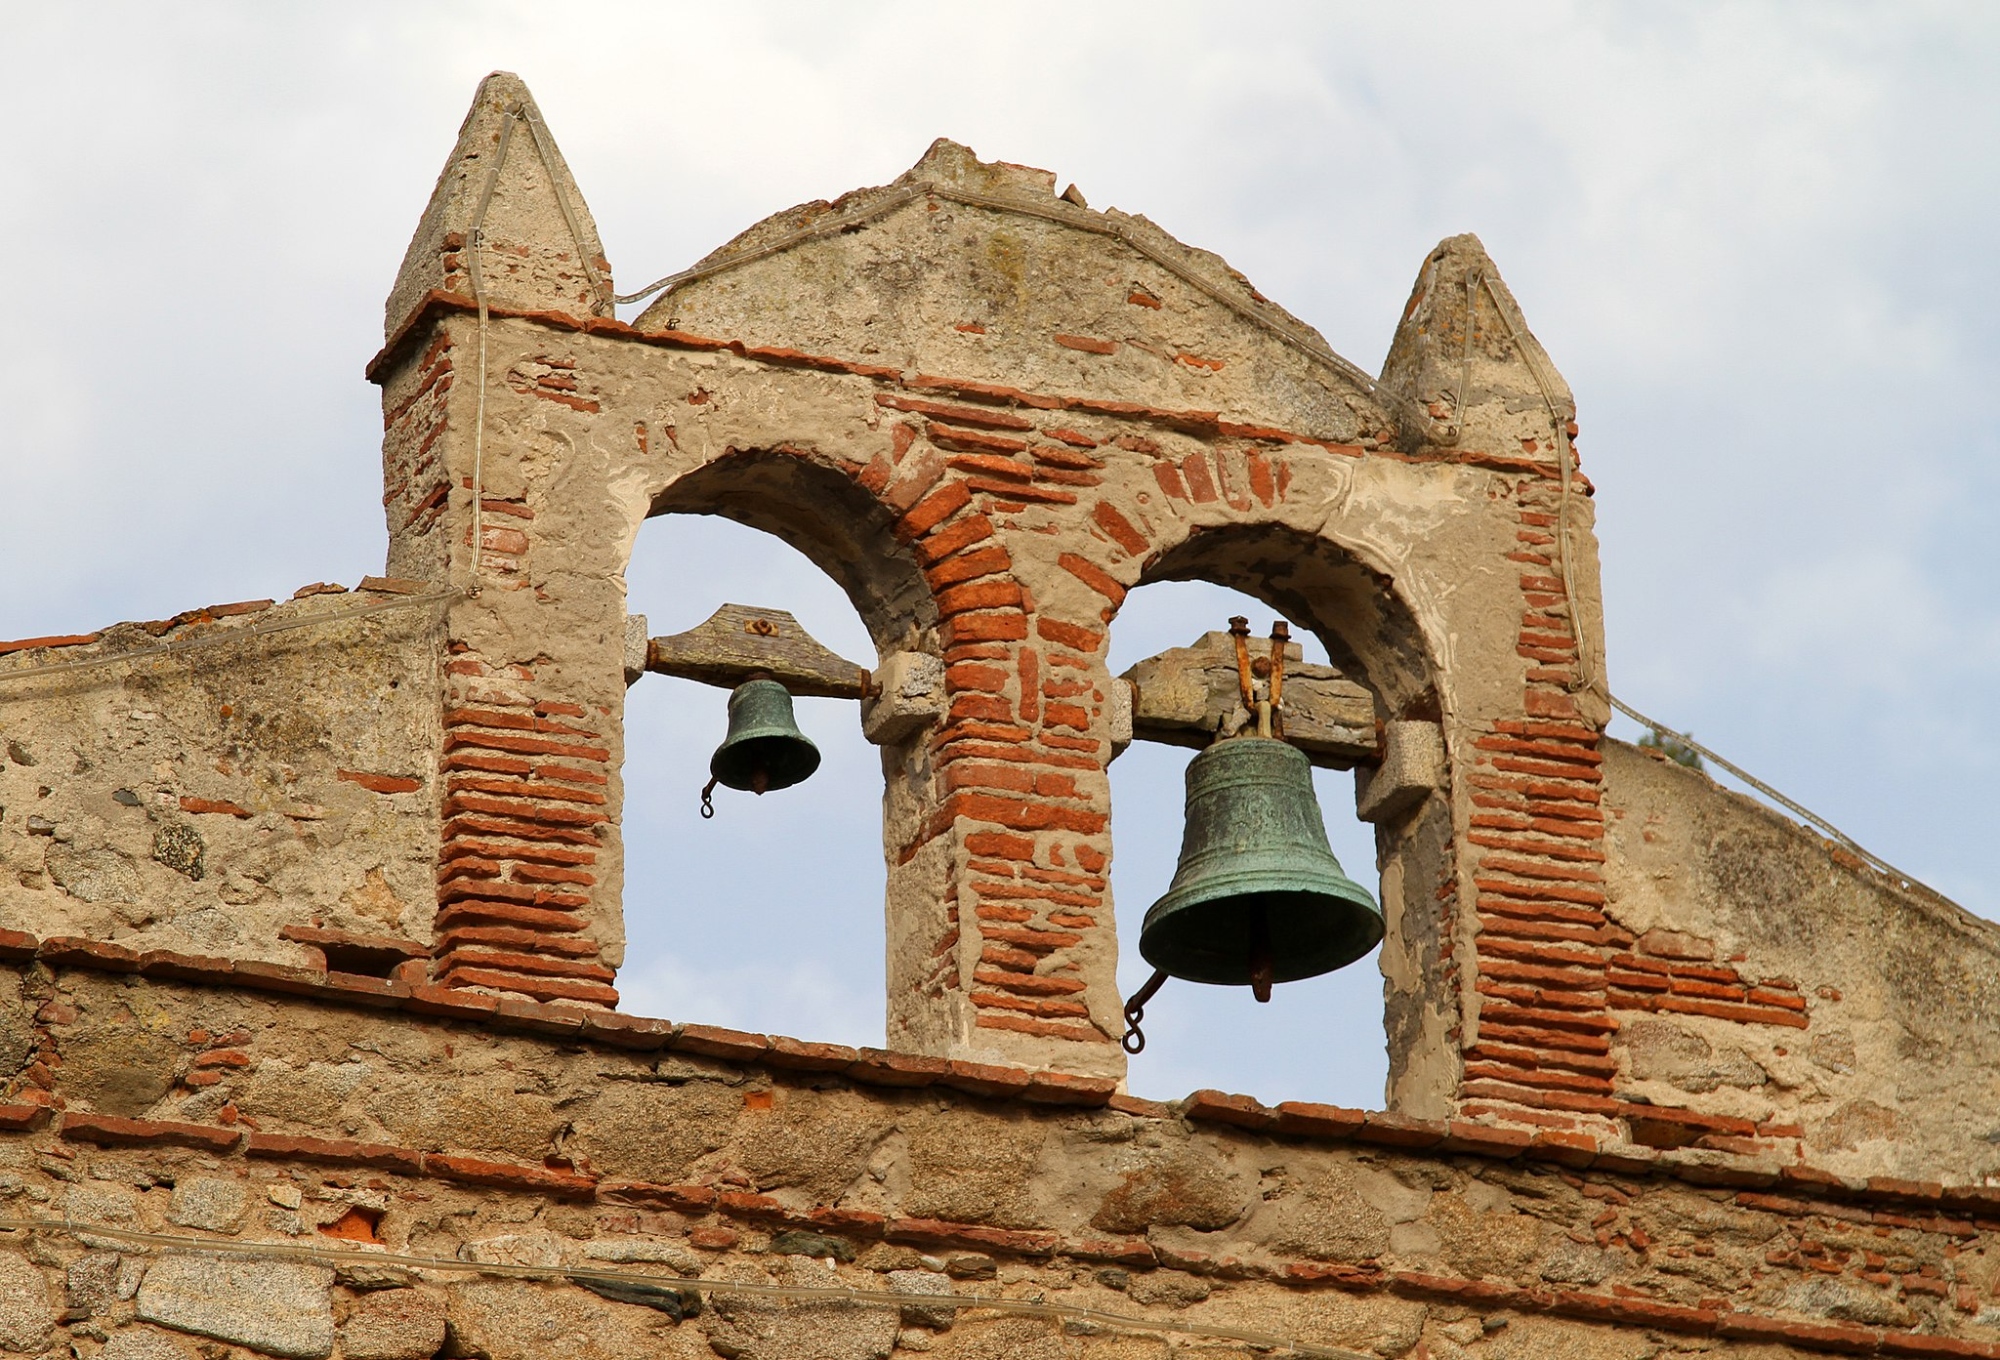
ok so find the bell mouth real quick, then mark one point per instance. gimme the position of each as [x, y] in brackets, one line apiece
[777, 762]
[1301, 934]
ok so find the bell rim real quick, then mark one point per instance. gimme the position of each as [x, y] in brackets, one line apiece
[776, 780]
[1288, 967]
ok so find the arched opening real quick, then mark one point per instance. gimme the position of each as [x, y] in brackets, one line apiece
[1317, 1039]
[767, 917]
[1332, 1038]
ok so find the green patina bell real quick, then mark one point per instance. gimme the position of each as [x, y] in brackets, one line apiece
[764, 749]
[1258, 897]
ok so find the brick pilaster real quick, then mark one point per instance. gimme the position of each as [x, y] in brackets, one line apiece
[1020, 790]
[1536, 843]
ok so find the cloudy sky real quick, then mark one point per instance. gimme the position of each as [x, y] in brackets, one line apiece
[1750, 235]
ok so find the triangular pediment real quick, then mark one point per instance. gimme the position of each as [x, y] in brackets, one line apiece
[979, 271]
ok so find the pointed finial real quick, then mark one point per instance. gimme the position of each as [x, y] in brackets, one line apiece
[507, 191]
[1466, 363]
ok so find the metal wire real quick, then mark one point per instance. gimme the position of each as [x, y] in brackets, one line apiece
[1566, 461]
[328, 1256]
[1798, 810]
[476, 240]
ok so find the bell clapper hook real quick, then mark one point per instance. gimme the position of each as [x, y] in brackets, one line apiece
[708, 799]
[1135, 1011]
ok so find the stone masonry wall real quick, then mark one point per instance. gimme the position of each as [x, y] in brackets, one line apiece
[1809, 1006]
[212, 800]
[266, 1119]
[996, 526]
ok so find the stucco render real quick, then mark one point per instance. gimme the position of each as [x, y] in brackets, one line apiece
[311, 912]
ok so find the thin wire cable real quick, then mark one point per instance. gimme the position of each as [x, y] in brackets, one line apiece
[544, 144]
[227, 635]
[828, 227]
[1798, 810]
[1586, 665]
[328, 1256]
[1472, 282]
[478, 243]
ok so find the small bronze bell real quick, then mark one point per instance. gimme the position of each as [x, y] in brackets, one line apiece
[764, 749]
[1258, 897]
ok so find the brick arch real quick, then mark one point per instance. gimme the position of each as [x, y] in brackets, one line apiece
[1374, 632]
[1368, 630]
[833, 518]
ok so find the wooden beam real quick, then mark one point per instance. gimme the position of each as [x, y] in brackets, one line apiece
[740, 640]
[1182, 696]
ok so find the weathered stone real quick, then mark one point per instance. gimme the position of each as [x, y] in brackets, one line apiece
[278, 1307]
[17, 1037]
[181, 848]
[1577, 1264]
[747, 1328]
[145, 1343]
[1662, 1050]
[90, 1284]
[984, 1180]
[654, 1131]
[795, 1242]
[538, 1248]
[630, 1249]
[362, 1276]
[393, 1324]
[119, 1069]
[1854, 1123]
[937, 1317]
[820, 1150]
[210, 1202]
[100, 875]
[1190, 1186]
[1844, 1301]
[27, 1312]
[1481, 1235]
[1833, 1051]
[518, 1320]
[100, 1202]
[1327, 1216]
[1168, 1288]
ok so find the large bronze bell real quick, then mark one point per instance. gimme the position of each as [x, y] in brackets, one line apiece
[1258, 896]
[764, 749]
